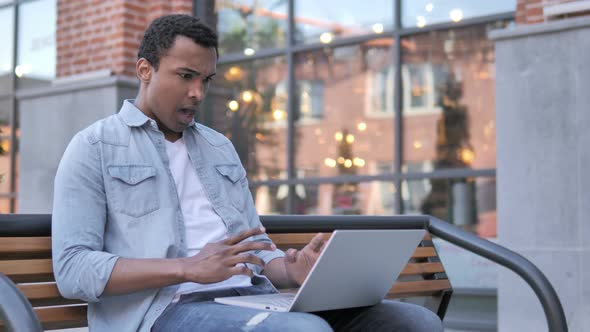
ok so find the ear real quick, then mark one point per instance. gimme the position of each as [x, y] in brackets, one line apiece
[144, 70]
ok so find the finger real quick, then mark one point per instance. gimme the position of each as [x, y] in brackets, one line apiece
[291, 255]
[244, 258]
[244, 235]
[241, 270]
[317, 242]
[251, 245]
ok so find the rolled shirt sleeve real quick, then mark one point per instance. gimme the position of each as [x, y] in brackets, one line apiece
[81, 267]
[254, 221]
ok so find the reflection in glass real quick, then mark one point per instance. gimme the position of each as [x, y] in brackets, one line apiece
[469, 203]
[247, 104]
[4, 205]
[449, 99]
[270, 200]
[344, 110]
[5, 145]
[6, 51]
[248, 26]
[5, 112]
[421, 13]
[36, 45]
[323, 21]
[365, 198]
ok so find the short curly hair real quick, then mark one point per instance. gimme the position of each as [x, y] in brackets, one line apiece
[161, 34]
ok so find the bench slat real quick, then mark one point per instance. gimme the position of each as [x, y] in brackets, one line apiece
[304, 238]
[30, 270]
[52, 318]
[45, 294]
[25, 247]
[424, 252]
[422, 268]
[420, 288]
[40, 270]
[297, 241]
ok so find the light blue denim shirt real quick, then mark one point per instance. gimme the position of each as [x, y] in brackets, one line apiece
[115, 197]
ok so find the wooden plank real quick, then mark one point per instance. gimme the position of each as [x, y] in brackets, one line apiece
[424, 252]
[422, 268]
[293, 239]
[30, 270]
[304, 238]
[297, 241]
[52, 318]
[25, 247]
[420, 288]
[45, 294]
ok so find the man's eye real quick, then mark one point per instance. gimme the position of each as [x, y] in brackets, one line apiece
[208, 79]
[186, 76]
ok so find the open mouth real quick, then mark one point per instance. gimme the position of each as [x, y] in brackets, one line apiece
[187, 114]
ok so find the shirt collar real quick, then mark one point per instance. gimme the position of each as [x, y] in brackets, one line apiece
[134, 117]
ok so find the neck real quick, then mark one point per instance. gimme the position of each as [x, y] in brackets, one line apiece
[141, 104]
[171, 136]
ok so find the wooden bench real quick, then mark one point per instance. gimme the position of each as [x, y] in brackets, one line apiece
[26, 260]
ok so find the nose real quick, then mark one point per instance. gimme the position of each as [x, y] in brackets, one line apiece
[196, 91]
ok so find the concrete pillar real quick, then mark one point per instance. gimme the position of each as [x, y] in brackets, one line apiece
[543, 166]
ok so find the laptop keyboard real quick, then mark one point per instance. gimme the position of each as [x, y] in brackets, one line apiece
[282, 300]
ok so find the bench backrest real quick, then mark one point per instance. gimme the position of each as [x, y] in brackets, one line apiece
[27, 262]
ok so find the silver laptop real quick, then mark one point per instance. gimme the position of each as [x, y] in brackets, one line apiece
[357, 268]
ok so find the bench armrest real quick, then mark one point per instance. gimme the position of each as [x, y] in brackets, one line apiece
[15, 310]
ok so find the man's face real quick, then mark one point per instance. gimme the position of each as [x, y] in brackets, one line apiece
[173, 93]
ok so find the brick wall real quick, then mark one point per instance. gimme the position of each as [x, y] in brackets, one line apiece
[531, 11]
[104, 35]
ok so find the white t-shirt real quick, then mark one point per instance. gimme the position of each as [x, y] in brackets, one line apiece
[201, 222]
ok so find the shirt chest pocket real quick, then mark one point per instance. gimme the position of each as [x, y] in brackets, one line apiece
[234, 185]
[133, 190]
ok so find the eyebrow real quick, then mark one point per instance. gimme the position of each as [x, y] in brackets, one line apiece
[194, 71]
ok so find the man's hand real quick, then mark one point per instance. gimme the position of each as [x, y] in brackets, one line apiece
[299, 263]
[221, 260]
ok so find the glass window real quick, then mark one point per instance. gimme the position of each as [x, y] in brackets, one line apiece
[5, 112]
[247, 104]
[364, 198]
[344, 108]
[469, 203]
[248, 26]
[5, 144]
[270, 200]
[6, 51]
[5, 204]
[36, 45]
[449, 99]
[420, 13]
[323, 21]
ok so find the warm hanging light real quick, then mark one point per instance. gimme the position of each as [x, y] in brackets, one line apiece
[349, 139]
[233, 105]
[420, 21]
[248, 51]
[326, 38]
[456, 15]
[378, 28]
[330, 162]
[247, 96]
